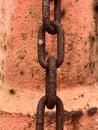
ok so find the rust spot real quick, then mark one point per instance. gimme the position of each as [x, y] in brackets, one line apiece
[86, 66]
[68, 63]
[30, 12]
[87, 105]
[12, 91]
[75, 99]
[32, 75]
[95, 6]
[91, 39]
[85, 43]
[63, 12]
[24, 36]
[22, 72]
[82, 95]
[77, 114]
[21, 57]
[70, 46]
[28, 115]
[76, 1]
[92, 111]
[5, 47]
[29, 124]
[12, 29]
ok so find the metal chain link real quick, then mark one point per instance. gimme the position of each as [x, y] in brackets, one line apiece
[46, 15]
[60, 45]
[51, 64]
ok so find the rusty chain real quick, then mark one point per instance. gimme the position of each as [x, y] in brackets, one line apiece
[46, 15]
[50, 64]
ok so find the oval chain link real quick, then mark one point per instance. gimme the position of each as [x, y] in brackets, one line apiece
[51, 83]
[42, 44]
[41, 113]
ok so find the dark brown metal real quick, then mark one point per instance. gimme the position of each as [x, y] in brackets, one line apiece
[57, 11]
[50, 99]
[41, 111]
[73, 114]
[41, 48]
[60, 45]
[40, 114]
[51, 83]
[92, 111]
[96, 6]
[59, 114]
[46, 15]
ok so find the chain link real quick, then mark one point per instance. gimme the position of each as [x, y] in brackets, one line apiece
[40, 114]
[51, 83]
[50, 64]
[60, 45]
[46, 15]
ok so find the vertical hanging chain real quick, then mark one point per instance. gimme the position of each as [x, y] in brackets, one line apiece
[50, 64]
